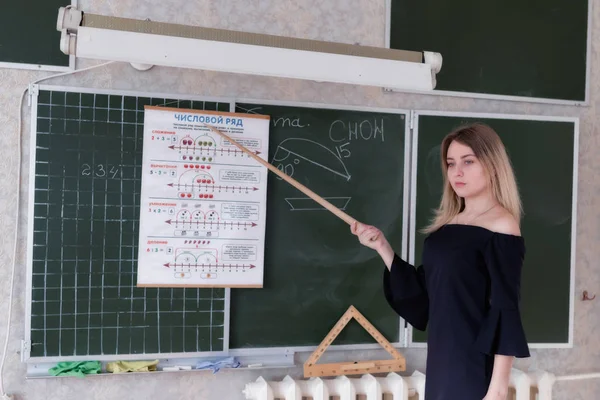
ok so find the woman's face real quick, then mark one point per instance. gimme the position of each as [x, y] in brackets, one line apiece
[466, 174]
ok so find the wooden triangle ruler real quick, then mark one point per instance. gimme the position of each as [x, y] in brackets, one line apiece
[311, 368]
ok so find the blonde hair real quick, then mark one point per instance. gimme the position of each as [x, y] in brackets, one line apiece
[490, 151]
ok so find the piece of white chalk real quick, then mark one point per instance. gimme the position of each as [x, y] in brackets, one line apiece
[254, 365]
[178, 368]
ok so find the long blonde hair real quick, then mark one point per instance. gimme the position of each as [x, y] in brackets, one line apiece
[490, 151]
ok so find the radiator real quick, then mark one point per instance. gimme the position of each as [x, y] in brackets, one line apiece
[525, 386]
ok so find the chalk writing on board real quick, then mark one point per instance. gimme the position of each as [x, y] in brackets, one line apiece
[249, 110]
[288, 122]
[343, 133]
[100, 170]
[291, 151]
[342, 151]
[340, 131]
[308, 204]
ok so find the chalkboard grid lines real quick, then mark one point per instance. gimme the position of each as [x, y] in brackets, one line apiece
[84, 217]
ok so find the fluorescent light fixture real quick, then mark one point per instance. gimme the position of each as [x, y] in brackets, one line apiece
[155, 43]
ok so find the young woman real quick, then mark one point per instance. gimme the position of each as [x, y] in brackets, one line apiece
[467, 289]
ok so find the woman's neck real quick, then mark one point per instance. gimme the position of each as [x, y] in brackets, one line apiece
[479, 203]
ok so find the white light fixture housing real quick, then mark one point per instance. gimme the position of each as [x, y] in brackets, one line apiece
[146, 43]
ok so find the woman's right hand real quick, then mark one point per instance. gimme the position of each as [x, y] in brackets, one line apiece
[368, 235]
[373, 238]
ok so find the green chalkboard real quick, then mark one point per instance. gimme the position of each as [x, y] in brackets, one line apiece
[28, 33]
[86, 199]
[542, 153]
[86, 186]
[532, 49]
[314, 267]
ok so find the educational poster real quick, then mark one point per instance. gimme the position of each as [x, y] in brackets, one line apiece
[203, 201]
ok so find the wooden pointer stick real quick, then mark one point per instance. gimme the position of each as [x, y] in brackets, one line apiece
[339, 213]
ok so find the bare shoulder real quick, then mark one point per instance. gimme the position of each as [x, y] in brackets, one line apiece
[504, 222]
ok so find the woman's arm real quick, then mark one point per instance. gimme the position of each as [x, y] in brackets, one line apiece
[403, 286]
[498, 389]
[373, 238]
[387, 254]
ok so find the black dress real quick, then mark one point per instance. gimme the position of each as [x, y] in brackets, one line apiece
[467, 295]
